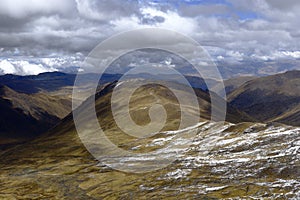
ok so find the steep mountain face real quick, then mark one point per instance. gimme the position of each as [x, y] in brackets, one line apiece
[25, 116]
[272, 98]
[217, 160]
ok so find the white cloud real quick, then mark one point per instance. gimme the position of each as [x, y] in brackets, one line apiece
[172, 21]
[235, 54]
[277, 55]
[85, 9]
[293, 54]
[54, 62]
[21, 67]
[6, 67]
[220, 57]
[26, 68]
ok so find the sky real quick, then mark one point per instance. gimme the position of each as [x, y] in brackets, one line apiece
[257, 37]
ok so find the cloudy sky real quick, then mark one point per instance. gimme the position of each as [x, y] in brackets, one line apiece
[243, 37]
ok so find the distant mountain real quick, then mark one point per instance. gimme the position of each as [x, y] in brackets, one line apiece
[34, 83]
[53, 81]
[24, 116]
[272, 98]
[256, 68]
[49, 81]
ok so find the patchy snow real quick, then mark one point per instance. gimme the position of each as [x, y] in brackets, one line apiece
[178, 173]
[185, 129]
[136, 147]
[119, 83]
[215, 188]
[160, 141]
[228, 141]
[142, 187]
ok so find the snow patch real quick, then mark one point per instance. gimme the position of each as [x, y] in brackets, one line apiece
[215, 188]
[179, 173]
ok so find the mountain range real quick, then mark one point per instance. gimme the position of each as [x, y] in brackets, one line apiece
[254, 154]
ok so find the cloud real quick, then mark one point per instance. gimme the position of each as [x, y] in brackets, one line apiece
[105, 10]
[26, 68]
[23, 68]
[7, 68]
[234, 32]
[169, 20]
[286, 5]
[275, 55]
[21, 9]
[21, 65]
[203, 10]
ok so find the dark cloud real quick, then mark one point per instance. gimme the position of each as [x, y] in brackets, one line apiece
[286, 5]
[21, 9]
[152, 20]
